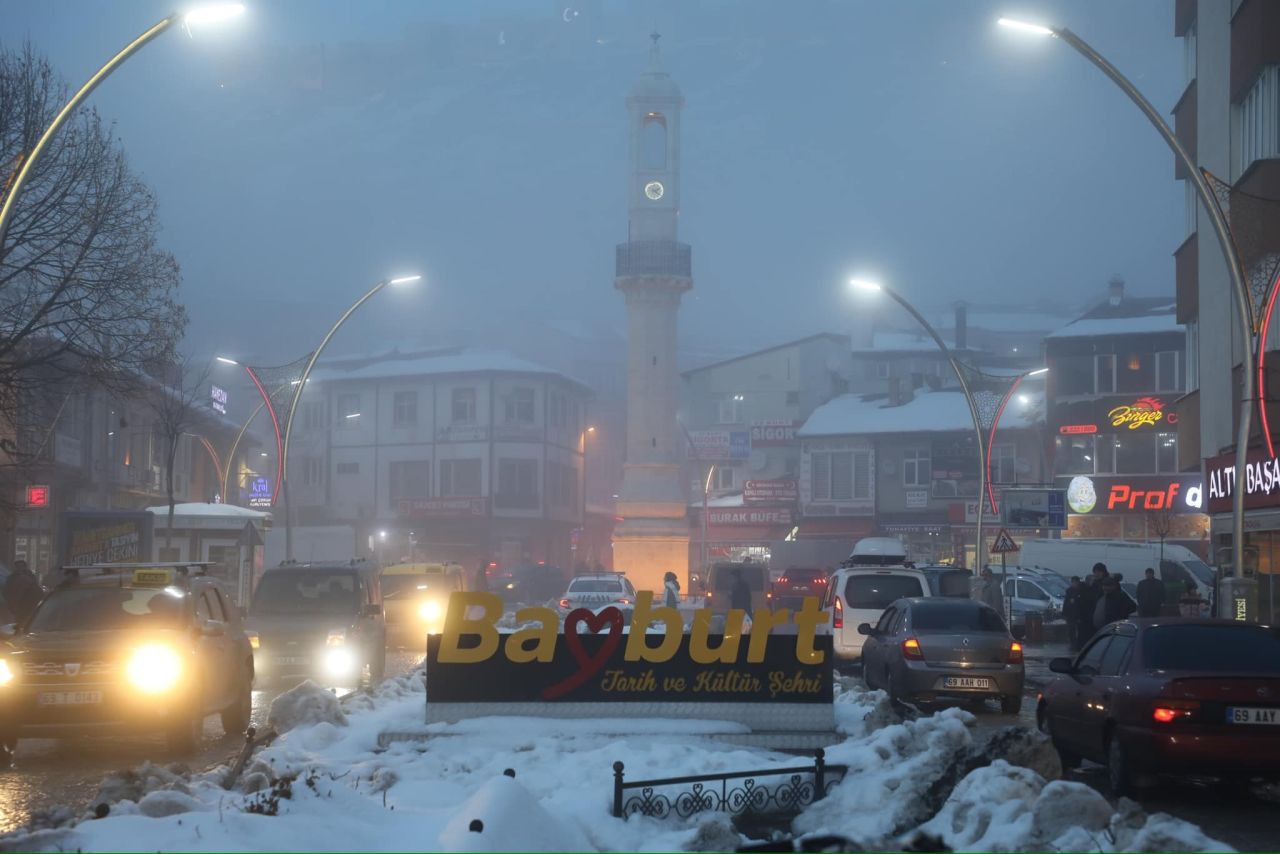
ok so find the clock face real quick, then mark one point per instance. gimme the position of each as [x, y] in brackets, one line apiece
[654, 190]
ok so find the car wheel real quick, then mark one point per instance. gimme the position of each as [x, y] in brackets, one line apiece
[1011, 704]
[1119, 772]
[1044, 724]
[185, 733]
[235, 718]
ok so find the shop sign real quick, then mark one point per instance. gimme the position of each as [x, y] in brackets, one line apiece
[260, 492]
[1262, 481]
[592, 660]
[1077, 429]
[917, 499]
[971, 512]
[37, 496]
[719, 445]
[1143, 412]
[437, 507]
[218, 399]
[766, 433]
[750, 516]
[463, 433]
[1137, 494]
[105, 537]
[770, 491]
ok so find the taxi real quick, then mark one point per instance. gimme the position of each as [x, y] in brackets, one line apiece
[137, 648]
[416, 597]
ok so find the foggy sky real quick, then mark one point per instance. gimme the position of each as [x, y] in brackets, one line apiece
[312, 148]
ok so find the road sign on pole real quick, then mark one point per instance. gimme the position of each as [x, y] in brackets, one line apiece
[1003, 543]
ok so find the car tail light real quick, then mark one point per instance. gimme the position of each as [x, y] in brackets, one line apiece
[1015, 653]
[783, 580]
[819, 580]
[1169, 711]
[564, 603]
[837, 618]
[623, 601]
[911, 650]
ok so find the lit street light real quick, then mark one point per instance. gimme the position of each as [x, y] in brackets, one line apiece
[1239, 285]
[199, 16]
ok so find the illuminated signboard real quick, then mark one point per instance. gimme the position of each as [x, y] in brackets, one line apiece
[260, 492]
[218, 398]
[1137, 494]
[37, 496]
[1143, 412]
[1073, 429]
[1262, 481]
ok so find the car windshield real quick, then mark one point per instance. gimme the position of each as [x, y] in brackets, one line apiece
[596, 585]
[876, 591]
[306, 592]
[1052, 585]
[1201, 570]
[1213, 649]
[104, 608]
[955, 617]
[402, 586]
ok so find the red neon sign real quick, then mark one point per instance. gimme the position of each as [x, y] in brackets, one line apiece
[1123, 496]
[37, 496]
[1143, 412]
[1071, 429]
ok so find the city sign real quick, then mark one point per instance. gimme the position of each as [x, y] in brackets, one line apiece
[218, 399]
[37, 496]
[1135, 494]
[260, 492]
[719, 445]
[1003, 543]
[1143, 412]
[770, 491]
[1036, 508]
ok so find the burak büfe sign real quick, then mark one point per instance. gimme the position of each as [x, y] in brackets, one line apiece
[471, 662]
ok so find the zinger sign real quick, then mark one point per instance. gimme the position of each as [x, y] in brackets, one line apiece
[1143, 412]
[596, 659]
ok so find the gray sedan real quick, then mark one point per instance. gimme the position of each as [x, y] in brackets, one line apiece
[927, 649]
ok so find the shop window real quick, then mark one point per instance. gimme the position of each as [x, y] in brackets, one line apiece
[1167, 452]
[460, 477]
[1104, 373]
[1104, 453]
[1135, 453]
[463, 407]
[1074, 455]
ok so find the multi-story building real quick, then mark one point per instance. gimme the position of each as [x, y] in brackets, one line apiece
[1228, 117]
[451, 454]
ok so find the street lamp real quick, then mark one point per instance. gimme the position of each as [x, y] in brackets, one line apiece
[1239, 287]
[297, 394]
[870, 286]
[995, 424]
[196, 17]
[275, 424]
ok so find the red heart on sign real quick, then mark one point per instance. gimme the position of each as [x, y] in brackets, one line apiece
[588, 665]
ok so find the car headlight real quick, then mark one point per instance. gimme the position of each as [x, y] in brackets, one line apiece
[337, 637]
[154, 669]
[429, 611]
[6, 674]
[339, 662]
[254, 640]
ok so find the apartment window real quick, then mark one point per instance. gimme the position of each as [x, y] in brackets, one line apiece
[840, 475]
[348, 410]
[464, 406]
[726, 477]
[519, 406]
[1167, 371]
[558, 409]
[731, 409]
[313, 415]
[517, 484]
[410, 479]
[348, 468]
[1073, 375]
[916, 470]
[1256, 122]
[312, 471]
[1104, 373]
[883, 370]
[404, 409]
[562, 485]
[1136, 372]
[460, 477]
[1167, 453]
[1004, 462]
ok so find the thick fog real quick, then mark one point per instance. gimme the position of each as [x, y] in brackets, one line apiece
[309, 149]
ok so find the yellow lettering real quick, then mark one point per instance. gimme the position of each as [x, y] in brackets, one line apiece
[699, 651]
[638, 648]
[808, 618]
[544, 634]
[761, 624]
[456, 624]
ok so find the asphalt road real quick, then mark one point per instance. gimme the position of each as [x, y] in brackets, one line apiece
[46, 772]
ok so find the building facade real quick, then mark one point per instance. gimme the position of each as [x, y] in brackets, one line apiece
[452, 454]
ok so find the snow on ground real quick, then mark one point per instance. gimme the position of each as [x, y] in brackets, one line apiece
[326, 786]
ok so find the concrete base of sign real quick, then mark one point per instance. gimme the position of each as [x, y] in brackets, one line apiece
[803, 742]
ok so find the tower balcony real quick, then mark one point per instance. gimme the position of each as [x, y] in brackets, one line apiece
[654, 258]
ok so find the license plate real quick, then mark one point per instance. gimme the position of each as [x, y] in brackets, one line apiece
[1252, 715]
[965, 682]
[291, 659]
[69, 698]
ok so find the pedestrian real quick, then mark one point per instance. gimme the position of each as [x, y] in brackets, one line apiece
[22, 592]
[1078, 620]
[671, 588]
[739, 591]
[1114, 604]
[1150, 595]
[482, 577]
[1191, 604]
[989, 591]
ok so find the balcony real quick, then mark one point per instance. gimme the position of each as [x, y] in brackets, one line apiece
[1186, 265]
[654, 258]
[1184, 127]
[1184, 15]
[1255, 43]
[1187, 408]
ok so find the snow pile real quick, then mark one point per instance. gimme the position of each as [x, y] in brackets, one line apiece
[545, 785]
[308, 704]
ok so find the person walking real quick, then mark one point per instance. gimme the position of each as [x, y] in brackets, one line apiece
[1114, 604]
[1078, 620]
[1150, 595]
[989, 591]
[22, 592]
[739, 592]
[482, 577]
[671, 590]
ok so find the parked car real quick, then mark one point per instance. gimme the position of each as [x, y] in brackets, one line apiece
[147, 648]
[319, 621]
[948, 581]
[1169, 696]
[795, 584]
[1033, 593]
[720, 580]
[857, 595]
[928, 649]
[599, 590]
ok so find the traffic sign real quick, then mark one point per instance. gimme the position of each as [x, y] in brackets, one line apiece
[1003, 543]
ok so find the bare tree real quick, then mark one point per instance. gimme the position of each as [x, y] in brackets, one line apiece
[86, 295]
[177, 401]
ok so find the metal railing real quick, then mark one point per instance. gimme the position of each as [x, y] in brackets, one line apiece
[803, 786]
[654, 258]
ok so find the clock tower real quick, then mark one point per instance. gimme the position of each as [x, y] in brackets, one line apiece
[653, 270]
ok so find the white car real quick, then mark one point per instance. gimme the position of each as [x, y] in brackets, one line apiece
[598, 591]
[858, 595]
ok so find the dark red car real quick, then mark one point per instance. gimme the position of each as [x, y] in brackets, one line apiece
[790, 589]
[1169, 696]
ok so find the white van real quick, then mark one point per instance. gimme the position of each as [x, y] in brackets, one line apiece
[1130, 560]
[874, 576]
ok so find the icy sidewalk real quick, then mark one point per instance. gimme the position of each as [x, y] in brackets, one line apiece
[326, 786]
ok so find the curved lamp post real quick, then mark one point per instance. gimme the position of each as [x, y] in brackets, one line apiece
[297, 395]
[876, 287]
[235, 445]
[275, 424]
[995, 424]
[1239, 287]
[201, 15]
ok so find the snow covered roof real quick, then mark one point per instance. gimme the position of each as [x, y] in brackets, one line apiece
[196, 508]
[905, 342]
[1140, 325]
[452, 361]
[930, 412]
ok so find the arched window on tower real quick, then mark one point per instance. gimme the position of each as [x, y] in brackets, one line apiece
[653, 142]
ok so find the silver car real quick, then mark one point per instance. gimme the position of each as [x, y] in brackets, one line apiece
[928, 649]
[597, 591]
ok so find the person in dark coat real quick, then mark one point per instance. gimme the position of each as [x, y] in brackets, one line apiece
[1079, 622]
[739, 592]
[1150, 595]
[1116, 604]
[22, 592]
[671, 590]
[482, 577]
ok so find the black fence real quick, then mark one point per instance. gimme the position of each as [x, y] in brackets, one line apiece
[738, 793]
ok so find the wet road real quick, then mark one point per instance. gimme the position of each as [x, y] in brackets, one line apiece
[68, 771]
